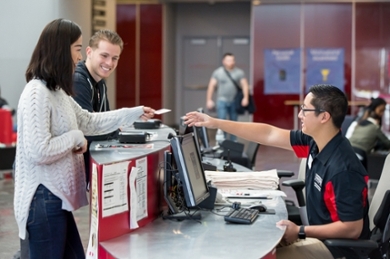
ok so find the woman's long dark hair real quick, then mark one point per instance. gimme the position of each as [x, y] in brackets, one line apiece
[52, 59]
[370, 110]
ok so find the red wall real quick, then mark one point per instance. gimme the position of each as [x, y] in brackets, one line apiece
[372, 39]
[125, 72]
[274, 26]
[148, 18]
[151, 56]
[279, 26]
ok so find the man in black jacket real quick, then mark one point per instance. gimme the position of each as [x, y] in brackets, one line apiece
[103, 52]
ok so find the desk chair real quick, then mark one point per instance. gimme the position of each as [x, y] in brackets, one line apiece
[379, 214]
[362, 155]
[248, 159]
[297, 214]
[378, 244]
[346, 123]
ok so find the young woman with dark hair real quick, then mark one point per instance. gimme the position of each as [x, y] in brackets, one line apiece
[49, 172]
[367, 135]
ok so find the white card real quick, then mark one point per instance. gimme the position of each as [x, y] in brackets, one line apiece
[161, 111]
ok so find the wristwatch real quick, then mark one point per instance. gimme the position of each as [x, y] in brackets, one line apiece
[301, 233]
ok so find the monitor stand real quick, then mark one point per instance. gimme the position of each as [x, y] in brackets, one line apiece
[184, 216]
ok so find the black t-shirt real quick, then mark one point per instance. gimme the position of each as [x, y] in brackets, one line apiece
[96, 94]
[336, 181]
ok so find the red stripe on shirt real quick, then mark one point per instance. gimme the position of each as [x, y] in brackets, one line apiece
[365, 192]
[330, 201]
[301, 151]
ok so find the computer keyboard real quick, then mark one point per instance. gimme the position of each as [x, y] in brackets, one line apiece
[242, 216]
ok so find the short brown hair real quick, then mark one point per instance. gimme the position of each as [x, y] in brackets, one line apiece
[107, 35]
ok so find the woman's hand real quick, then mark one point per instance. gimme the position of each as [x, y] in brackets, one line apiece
[148, 113]
[81, 149]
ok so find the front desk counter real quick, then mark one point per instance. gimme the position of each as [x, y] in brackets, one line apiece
[110, 191]
[111, 235]
[210, 237]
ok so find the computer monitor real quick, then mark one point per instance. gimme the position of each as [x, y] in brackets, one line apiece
[190, 170]
[203, 137]
[184, 128]
[202, 133]
[170, 184]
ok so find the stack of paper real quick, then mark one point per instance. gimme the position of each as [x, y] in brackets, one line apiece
[244, 180]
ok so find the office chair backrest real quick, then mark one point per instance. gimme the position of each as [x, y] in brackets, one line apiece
[382, 187]
[346, 123]
[302, 169]
[251, 152]
[302, 174]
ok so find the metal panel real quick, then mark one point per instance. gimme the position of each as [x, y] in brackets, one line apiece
[200, 58]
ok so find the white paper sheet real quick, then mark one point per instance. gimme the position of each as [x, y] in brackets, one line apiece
[114, 189]
[133, 198]
[92, 251]
[142, 209]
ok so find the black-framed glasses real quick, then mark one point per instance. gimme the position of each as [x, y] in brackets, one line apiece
[309, 110]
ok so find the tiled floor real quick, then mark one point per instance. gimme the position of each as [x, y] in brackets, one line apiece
[267, 158]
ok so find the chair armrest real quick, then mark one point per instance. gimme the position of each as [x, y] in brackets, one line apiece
[284, 173]
[352, 243]
[295, 184]
[298, 186]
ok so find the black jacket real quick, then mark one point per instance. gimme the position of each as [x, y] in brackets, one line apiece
[91, 96]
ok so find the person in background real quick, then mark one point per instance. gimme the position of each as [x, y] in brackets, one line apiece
[225, 79]
[336, 186]
[373, 109]
[367, 134]
[103, 53]
[49, 166]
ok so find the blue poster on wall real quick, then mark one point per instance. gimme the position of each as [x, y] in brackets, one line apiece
[325, 66]
[282, 71]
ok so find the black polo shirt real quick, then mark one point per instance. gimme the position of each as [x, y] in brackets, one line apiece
[336, 181]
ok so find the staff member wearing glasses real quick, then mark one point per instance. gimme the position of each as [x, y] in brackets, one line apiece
[336, 182]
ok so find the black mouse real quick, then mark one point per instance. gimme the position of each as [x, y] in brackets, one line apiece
[259, 207]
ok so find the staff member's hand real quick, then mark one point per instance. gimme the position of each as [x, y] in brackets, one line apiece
[200, 119]
[291, 233]
[148, 113]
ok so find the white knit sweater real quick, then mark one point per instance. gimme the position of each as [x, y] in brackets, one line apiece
[50, 125]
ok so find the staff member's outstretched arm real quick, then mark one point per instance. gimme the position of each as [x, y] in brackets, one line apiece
[262, 133]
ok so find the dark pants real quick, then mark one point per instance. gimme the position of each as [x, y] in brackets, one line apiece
[52, 231]
[24, 250]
